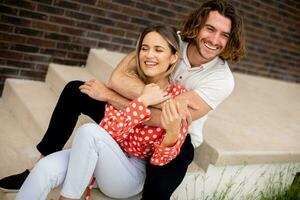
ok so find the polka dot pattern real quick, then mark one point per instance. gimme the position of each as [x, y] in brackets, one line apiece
[140, 140]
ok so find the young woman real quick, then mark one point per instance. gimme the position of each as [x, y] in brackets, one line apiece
[117, 150]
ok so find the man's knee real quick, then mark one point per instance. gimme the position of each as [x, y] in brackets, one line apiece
[72, 86]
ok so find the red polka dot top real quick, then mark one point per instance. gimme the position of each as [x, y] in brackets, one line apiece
[127, 128]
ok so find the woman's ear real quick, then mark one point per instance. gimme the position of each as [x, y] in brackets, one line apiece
[174, 58]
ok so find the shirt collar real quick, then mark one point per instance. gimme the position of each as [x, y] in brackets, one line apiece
[184, 57]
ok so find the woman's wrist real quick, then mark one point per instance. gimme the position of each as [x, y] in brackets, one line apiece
[169, 140]
[144, 100]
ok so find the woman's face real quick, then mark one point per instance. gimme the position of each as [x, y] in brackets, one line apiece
[155, 56]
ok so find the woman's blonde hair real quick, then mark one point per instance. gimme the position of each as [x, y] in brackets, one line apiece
[170, 35]
[235, 47]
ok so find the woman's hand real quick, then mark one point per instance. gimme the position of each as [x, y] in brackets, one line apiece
[152, 94]
[171, 122]
[96, 90]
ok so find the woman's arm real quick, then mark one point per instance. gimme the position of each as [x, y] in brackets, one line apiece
[119, 122]
[176, 132]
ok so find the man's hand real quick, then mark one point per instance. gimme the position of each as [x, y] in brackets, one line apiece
[183, 106]
[96, 90]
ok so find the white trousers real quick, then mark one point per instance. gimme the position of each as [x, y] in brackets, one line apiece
[93, 151]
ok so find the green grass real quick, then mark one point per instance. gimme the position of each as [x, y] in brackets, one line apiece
[291, 193]
[276, 186]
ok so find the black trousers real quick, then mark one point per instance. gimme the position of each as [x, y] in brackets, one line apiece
[70, 105]
[161, 181]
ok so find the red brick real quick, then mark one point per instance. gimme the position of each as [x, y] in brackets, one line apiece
[41, 42]
[12, 38]
[11, 55]
[62, 20]
[92, 10]
[45, 26]
[72, 31]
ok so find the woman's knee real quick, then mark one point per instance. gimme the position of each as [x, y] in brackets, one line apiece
[91, 131]
[87, 131]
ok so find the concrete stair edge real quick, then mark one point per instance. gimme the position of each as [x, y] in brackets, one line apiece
[15, 101]
[59, 75]
[101, 62]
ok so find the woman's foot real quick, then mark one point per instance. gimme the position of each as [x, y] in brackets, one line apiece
[14, 182]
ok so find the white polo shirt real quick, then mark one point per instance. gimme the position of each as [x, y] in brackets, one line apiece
[212, 81]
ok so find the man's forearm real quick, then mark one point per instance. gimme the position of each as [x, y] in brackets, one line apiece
[127, 85]
[124, 79]
[117, 100]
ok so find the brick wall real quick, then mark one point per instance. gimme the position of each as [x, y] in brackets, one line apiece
[37, 32]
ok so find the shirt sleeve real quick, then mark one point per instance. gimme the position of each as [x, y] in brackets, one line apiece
[163, 155]
[118, 123]
[217, 88]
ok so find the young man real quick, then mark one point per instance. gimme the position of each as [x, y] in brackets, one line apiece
[211, 36]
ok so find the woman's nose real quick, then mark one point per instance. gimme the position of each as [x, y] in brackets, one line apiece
[150, 53]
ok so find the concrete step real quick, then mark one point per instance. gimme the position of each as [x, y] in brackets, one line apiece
[186, 187]
[32, 103]
[17, 151]
[101, 62]
[54, 195]
[58, 75]
[257, 124]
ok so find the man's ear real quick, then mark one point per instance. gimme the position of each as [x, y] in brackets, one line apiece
[174, 58]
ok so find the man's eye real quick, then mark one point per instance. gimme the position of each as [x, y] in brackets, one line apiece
[226, 36]
[210, 29]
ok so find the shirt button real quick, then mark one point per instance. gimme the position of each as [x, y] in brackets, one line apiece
[180, 77]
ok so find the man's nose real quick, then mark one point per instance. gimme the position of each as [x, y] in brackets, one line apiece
[215, 38]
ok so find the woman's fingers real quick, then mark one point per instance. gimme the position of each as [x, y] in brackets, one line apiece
[174, 110]
[169, 110]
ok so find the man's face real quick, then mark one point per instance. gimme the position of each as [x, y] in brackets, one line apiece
[213, 36]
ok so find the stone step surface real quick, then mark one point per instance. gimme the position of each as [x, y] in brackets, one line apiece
[32, 103]
[101, 63]
[180, 194]
[59, 75]
[17, 150]
[257, 124]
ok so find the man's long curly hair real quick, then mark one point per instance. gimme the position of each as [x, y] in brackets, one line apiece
[235, 48]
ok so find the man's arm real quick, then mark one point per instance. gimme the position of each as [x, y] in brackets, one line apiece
[99, 91]
[124, 79]
[192, 106]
